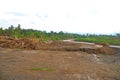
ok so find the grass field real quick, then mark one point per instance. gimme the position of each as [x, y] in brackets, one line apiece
[114, 41]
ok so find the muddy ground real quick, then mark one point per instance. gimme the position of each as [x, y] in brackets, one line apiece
[60, 61]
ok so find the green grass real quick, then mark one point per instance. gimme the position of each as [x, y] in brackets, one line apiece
[41, 69]
[108, 40]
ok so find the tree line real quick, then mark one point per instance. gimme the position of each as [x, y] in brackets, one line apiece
[18, 32]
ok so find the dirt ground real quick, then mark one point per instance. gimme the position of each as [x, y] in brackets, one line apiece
[17, 64]
[21, 59]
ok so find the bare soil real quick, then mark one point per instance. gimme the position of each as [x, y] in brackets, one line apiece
[66, 61]
[31, 44]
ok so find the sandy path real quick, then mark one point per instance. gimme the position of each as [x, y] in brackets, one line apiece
[113, 46]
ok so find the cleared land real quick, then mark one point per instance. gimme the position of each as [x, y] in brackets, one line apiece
[58, 61]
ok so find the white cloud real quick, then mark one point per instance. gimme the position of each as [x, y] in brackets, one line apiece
[92, 16]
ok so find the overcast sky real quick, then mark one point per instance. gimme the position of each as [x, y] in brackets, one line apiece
[78, 16]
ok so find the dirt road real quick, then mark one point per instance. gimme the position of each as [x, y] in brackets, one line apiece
[19, 64]
[72, 41]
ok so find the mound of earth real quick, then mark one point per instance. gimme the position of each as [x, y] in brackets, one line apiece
[69, 46]
[25, 43]
[22, 43]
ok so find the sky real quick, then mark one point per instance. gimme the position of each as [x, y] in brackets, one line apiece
[75, 16]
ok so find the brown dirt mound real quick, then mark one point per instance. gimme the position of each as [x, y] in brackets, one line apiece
[103, 50]
[25, 43]
[103, 44]
[68, 46]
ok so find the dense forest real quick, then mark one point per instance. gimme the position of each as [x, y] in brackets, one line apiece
[18, 32]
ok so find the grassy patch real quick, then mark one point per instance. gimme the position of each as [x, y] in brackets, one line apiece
[41, 69]
[100, 40]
